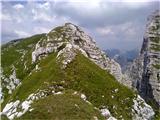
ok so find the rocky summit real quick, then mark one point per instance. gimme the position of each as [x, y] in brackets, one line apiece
[67, 40]
[64, 75]
[145, 70]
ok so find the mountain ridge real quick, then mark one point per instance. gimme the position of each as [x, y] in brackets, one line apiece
[66, 61]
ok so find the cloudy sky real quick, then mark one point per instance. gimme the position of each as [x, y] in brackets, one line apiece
[112, 23]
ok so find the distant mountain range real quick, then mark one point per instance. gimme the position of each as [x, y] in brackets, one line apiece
[122, 57]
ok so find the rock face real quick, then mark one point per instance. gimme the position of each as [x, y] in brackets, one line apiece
[145, 70]
[68, 40]
[11, 82]
[141, 110]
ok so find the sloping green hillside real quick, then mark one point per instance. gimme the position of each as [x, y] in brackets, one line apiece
[62, 107]
[44, 89]
[82, 75]
[17, 54]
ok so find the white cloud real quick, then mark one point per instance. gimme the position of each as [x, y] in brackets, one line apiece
[132, 1]
[105, 31]
[41, 16]
[5, 17]
[21, 34]
[134, 4]
[38, 30]
[18, 19]
[127, 30]
[18, 6]
[125, 26]
[97, 1]
[90, 6]
[45, 5]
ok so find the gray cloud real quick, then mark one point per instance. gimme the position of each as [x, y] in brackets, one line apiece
[104, 13]
[112, 24]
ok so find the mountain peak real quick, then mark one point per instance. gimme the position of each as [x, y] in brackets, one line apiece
[68, 24]
[66, 41]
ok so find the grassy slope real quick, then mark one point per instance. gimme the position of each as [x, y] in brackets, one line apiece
[81, 75]
[62, 107]
[10, 56]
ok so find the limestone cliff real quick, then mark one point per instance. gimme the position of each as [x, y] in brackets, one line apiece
[145, 70]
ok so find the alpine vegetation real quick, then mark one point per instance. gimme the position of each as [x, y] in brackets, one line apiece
[64, 75]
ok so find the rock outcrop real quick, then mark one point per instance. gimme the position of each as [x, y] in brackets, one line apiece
[141, 110]
[67, 40]
[11, 82]
[145, 70]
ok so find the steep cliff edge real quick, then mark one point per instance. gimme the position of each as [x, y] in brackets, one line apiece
[145, 70]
